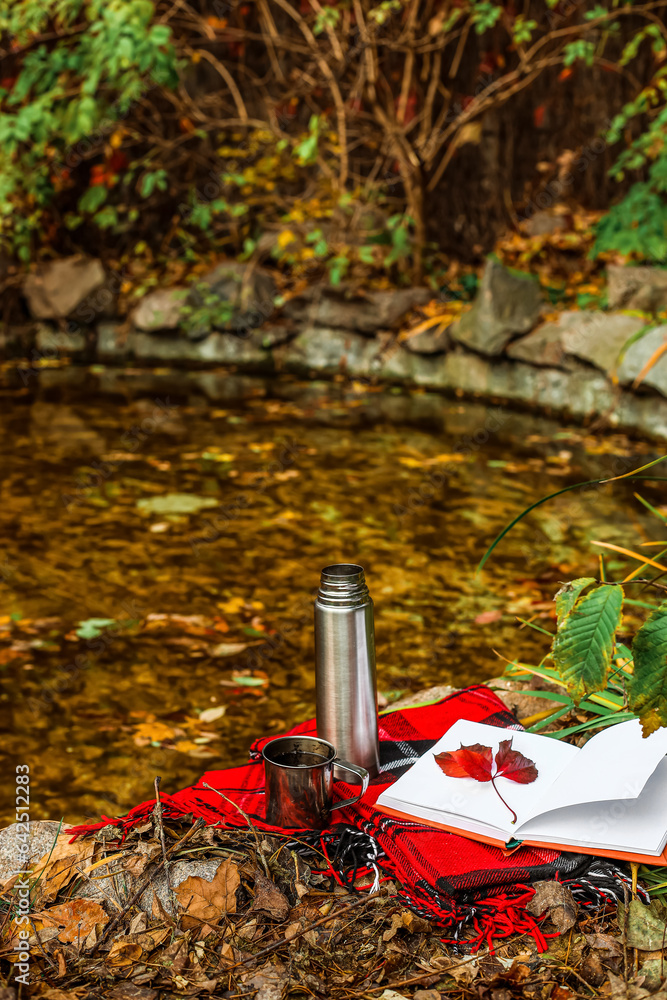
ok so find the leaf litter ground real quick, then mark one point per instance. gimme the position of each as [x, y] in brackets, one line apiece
[265, 922]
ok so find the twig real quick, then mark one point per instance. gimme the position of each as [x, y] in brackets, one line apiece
[260, 854]
[304, 930]
[229, 80]
[158, 812]
[198, 823]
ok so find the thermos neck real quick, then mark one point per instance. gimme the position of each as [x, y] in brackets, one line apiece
[343, 585]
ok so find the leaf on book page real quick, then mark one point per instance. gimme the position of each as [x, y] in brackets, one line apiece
[648, 685]
[476, 761]
[583, 646]
[513, 765]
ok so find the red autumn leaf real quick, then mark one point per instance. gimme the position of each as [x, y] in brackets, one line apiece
[538, 115]
[565, 74]
[513, 765]
[118, 161]
[477, 762]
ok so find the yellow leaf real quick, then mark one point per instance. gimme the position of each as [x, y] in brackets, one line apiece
[232, 606]
[285, 238]
[156, 732]
[116, 140]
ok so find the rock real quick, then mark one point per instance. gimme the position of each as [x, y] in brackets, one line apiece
[544, 224]
[114, 890]
[597, 337]
[327, 350]
[113, 341]
[643, 288]
[424, 696]
[41, 838]
[54, 290]
[639, 354]
[332, 307]
[523, 705]
[52, 344]
[116, 343]
[542, 347]
[159, 310]
[507, 303]
[245, 294]
[218, 348]
[436, 340]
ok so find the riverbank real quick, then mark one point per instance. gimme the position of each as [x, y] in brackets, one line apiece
[598, 367]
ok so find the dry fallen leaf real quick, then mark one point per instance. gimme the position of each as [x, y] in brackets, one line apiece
[557, 901]
[205, 902]
[123, 953]
[269, 898]
[61, 864]
[74, 920]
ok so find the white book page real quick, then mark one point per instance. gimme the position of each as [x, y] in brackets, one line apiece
[445, 799]
[614, 764]
[635, 825]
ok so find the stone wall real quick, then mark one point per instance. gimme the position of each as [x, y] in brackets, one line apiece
[585, 365]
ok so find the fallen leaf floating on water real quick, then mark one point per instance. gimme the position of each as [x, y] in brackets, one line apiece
[476, 761]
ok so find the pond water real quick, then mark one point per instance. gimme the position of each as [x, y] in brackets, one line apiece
[161, 535]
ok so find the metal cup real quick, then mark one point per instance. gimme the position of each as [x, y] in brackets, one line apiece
[299, 773]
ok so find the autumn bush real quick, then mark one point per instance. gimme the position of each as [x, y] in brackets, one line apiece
[336, 139]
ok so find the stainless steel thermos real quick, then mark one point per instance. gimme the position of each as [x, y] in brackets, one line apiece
[346, 686]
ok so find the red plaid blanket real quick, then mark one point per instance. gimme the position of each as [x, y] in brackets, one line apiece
[455, 882]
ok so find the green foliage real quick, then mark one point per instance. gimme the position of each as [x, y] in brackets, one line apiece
[648, 687]
[636, 226]
[380, 15]
[583, 645]
[484, 15]
[327, 17]
[581, 49]
[522, 30]
[83, 82]
[205, 311]
[585, 652]
[568, 595]
[305, 152]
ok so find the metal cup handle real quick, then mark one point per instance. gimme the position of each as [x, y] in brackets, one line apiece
[361, 772]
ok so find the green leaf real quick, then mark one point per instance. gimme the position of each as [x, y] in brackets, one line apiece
[176, 503]
[648, 685]
[106, 218]
[567, 596]
[93, 198]
[583, 646]
[91, 628]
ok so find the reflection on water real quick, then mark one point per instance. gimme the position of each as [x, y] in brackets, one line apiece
[184, 522]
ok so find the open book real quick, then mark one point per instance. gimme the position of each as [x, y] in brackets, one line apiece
[608, 797]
